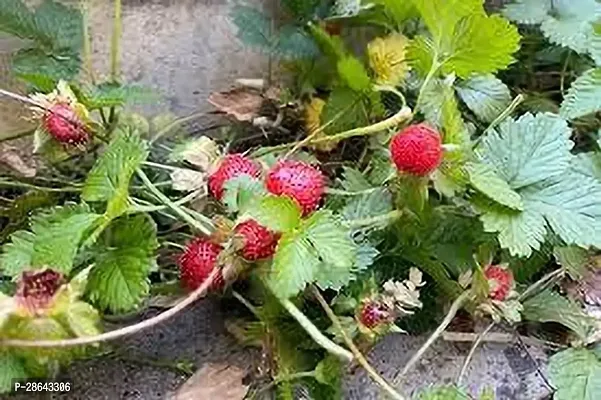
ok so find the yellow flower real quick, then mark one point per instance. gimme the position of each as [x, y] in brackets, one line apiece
[387, 59]
[313, 113]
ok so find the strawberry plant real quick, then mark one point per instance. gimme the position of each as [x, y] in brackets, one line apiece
[452, 154]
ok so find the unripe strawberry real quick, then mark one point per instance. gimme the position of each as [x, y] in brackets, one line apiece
[64, 125]
[197, 262]
[416, 150]
[500, 281]
[299, 181]
[374, 313]
[36, 290]
[231, 166]
[259, 242]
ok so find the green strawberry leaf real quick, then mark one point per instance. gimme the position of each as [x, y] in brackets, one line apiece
[328, 371]
[240, 191]
[53, 241]
[294, 265]
[280, 214]
[110, 177]
[527, 11]
[464, 39]
[576, 375]
[353, 74]
[549, 306]
[528, 150]
[124, 258]
[484, 178]
[485, 95]
[11, 370]
[573, 259]
[371, 204]
[320, 249]
[584, 96]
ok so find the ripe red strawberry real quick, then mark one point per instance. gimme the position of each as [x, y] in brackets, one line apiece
[198, 261]
[500, 281]
[231, 166]
[36, 290]
[416, 150]
[299, 181]
[374, 313]
[259, 242]
[64, 125]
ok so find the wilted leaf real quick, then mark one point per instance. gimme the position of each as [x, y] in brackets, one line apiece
[188, 180]
[12, 158]
[242, 103]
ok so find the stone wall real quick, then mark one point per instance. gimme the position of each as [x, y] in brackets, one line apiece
[183, 48]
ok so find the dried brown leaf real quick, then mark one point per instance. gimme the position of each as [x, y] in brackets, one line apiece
[243, 104]
[215, 382]
[187, 180]
[12, 158]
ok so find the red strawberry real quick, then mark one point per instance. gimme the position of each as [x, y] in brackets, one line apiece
[63, 124]
[198, 261]
[374, 313]
[231, 166]
[299, 181]
[259, 242]
[500, 281]
[416, 150]
[36, 289]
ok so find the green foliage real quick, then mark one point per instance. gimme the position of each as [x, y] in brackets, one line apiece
[532, 154]
[11, 369]
[569, 24]
[52, 242]
[584, 95]
[485, 95]
[464, 39]
[240, 191]
[576, 375]
[320, 248]
[301, 8]
[549, 306]
[109, 180]
[124, 257]
[255, 30]
[344, 110]
[484, 178]
[573, 259]
[280, 214]
[113, 95]
[353, 74]
[56, 35]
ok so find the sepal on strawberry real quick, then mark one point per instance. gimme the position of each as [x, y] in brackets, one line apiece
[231, 166]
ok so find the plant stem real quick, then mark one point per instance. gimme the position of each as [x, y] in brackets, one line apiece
[246, 304]
[175, 124]
[339, 192]
[40, 188]
[563, 73]
[176, 208]
[404, 114]
[356, 352]
[161, 166]
[519, 99]
[429, 76]
[115, 42]
[151, 208]
[472, 351]
[365, 222]
[118, 333]
[315, 334]
[285, 378]
[542, 283]
[457, 304]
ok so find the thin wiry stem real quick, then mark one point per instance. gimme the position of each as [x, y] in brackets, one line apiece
[314, 332]
[118, 333]
[457, 304]
[472, 351]
[356, 352]
[116, 42]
